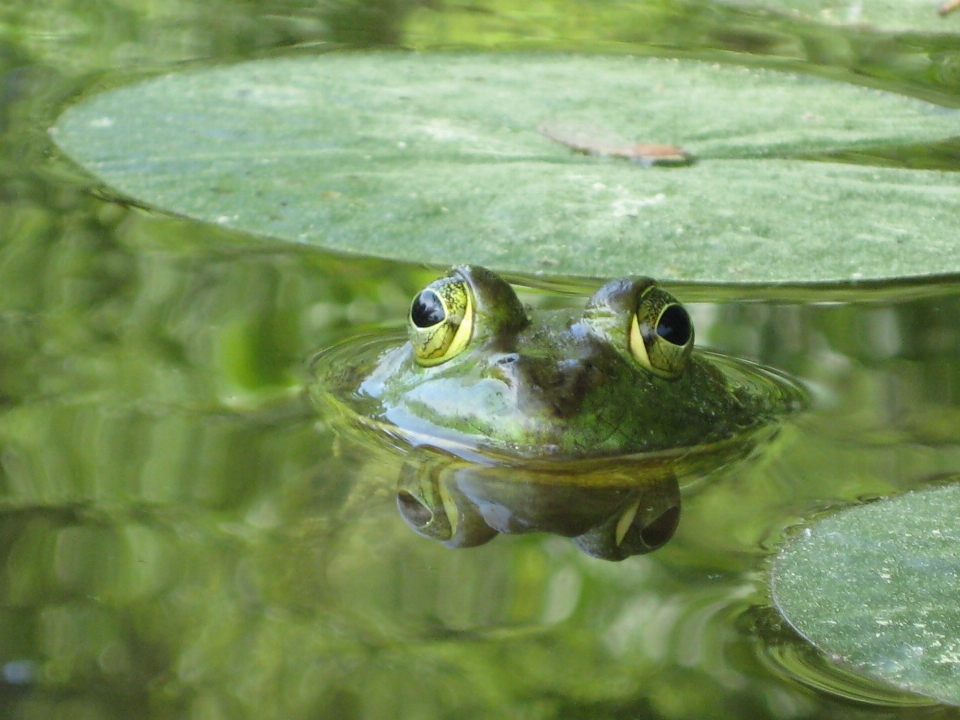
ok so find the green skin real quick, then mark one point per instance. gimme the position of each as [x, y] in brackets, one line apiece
[546, 421]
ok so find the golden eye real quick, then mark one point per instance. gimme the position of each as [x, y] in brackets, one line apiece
[661, 334]
[441, 320]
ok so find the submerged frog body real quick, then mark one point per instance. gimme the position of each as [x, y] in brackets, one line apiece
[518, 420]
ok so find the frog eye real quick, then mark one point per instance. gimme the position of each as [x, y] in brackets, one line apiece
[441, 320]
[661, 333]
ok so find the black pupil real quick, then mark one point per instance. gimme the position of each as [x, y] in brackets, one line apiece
[427, 310]
[674, 325]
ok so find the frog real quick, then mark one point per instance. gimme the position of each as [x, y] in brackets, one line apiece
[577, 422]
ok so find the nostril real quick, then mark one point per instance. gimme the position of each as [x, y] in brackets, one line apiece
[509, 359]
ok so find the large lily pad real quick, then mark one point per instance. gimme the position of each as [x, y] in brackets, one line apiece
[437, 158]
[876, 588]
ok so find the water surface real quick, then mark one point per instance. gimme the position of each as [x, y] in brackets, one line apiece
[182, 537]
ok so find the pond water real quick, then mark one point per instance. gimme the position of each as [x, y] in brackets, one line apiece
[182, 537]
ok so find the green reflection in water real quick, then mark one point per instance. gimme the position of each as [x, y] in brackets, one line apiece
[166, 546]
[180, 538]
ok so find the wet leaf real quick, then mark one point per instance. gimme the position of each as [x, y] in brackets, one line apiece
[437, 158]
[875, 587]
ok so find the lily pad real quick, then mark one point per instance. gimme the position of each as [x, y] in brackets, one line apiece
[876, 586]
[437, 158]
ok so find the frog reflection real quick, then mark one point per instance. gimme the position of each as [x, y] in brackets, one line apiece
[520, 420]
[608, 512]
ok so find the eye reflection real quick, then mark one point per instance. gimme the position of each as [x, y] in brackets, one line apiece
[661, 529]
[436, 511]
[413, 511]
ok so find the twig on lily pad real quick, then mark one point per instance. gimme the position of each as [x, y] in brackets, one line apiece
[605, 144]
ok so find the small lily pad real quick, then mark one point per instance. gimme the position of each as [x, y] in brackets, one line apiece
[437, 158]
[876, 587]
